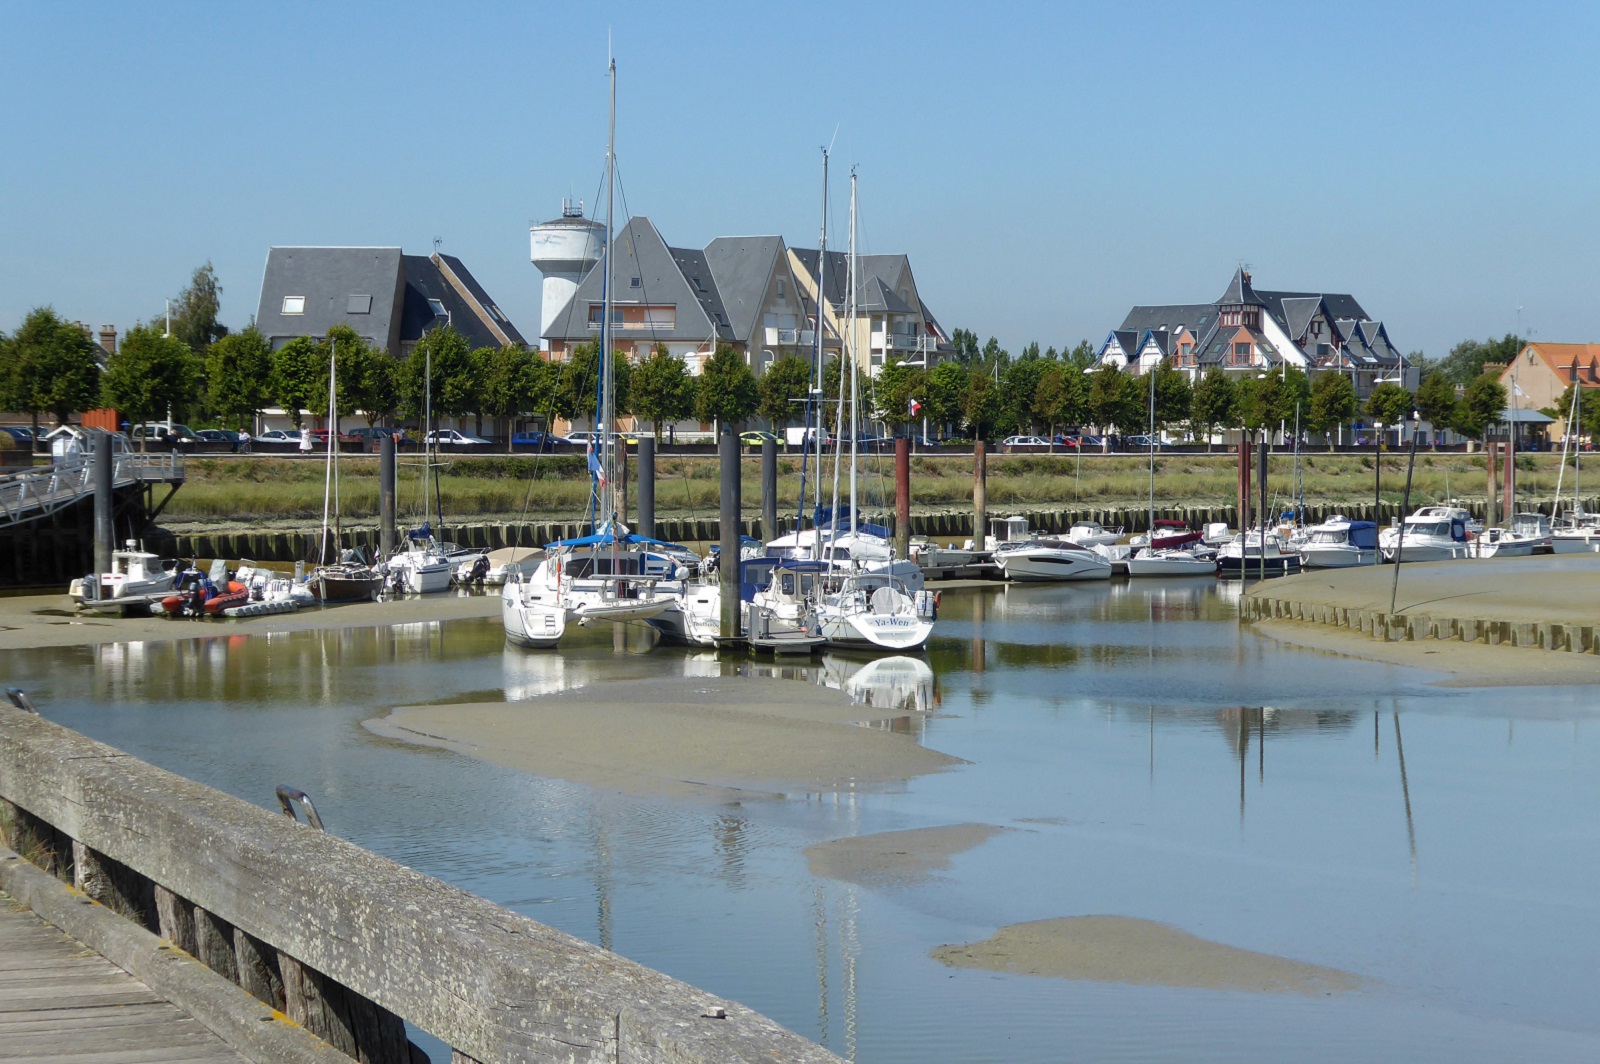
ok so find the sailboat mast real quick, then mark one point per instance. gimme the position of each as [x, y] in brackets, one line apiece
[607, 383]
[1152, 442]
[855, 379]
[816, 393]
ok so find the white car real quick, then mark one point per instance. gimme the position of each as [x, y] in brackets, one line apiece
[442, 437]
[279, 436]
[1020, 443]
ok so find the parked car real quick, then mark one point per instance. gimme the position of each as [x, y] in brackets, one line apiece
[1078, 442]
[453, 437]
[234, 441]
[1025, 443]
[320, 436]
[22, 435]
[585, 437]
[537, 439]
[756, 438]
[1142, 442]
[164, 434]
[376, 433]
[279, 436]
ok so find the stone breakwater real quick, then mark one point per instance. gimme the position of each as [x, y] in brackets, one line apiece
[1547, 603]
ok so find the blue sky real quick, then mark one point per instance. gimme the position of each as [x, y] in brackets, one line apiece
[1046, 166]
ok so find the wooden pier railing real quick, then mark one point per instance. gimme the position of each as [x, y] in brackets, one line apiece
[346, 943]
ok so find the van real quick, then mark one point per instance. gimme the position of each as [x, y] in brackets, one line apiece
[163, 434]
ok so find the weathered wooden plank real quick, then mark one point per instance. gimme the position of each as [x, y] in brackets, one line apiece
[494, 984]
[175, 920]
[213, 945]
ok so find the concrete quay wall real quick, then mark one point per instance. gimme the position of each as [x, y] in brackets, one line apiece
[1546, 603]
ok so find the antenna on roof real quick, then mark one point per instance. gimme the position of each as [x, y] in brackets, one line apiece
[437, 242]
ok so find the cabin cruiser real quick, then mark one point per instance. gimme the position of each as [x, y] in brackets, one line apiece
[1339, 543]
[134, 573]
[422, 568]
[1257, 551]
[1039, 560]
[1148, 561]
[1090, 534]
[1432, 534]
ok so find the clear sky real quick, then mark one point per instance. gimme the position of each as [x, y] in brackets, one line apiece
[1045, 166]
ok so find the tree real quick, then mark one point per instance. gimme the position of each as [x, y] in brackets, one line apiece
[150, 376]
[1484, 404]
[897, 387]
[727, 390]
[1588, 423]
[1059, 397]
[454, 387]
[1437, 402]
[947, 390]
[1083, 355]
[1390, 404]
[980, 405]
[194, 311]
[1214, 403]
[353, 355]
[783, 389]
[663, 390]
[1116, 400]
[298, 370]
[1465, 362]
[378, 374]
[1174, 396]
[49, 367]
[514, 380]
[1333, 403]
[965, 343]
[1018, 385]
[238, 370]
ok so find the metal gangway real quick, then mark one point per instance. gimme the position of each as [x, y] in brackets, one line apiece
[30, 494]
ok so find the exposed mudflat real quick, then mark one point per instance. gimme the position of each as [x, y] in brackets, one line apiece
[895, 858]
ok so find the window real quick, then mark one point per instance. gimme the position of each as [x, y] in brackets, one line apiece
[780, 288]
[438, 309]
[358, 305]
[294, 304]
[635, 282]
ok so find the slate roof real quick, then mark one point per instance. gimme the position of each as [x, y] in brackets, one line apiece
[482, 298]
[1196, 317]
[1220, 343]
[878, 279]
[1240, 292]
[742, 267]
[381, 293]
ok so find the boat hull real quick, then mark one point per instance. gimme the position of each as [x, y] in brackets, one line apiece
[1180, 564]
[1052, 566]
[1313, 557]
[533, 625]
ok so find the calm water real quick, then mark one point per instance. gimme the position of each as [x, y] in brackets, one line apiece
[1153, 760]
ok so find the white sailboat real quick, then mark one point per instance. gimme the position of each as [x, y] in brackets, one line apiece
[1577, 532]
[611, 574]
[420, 567]
[1152, 560]
[345, 577]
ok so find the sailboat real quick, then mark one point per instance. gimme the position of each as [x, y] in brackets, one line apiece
[348, 578]
[1579, 532]
[1154, 560]
[421, 567]
[610, 574]
[865, 608]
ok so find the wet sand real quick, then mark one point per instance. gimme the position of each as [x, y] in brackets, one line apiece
[29, 622]
[895, 858]
[1120, 949]
[716, 738]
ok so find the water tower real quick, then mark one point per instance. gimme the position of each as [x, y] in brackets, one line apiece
[564, 249]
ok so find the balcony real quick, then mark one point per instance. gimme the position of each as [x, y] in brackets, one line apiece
[790, 337]
[903, 342]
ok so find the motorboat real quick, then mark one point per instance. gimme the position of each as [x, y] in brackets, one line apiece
[1166, 534]
[1040, 560]
[867, 549]
[422, 568]
[1257, 551]
[1340, 543]
[1432, 534]
[134, 574]
[1578, 533]
[1501, 543]
[933, 556]
[1147, 561]
[1535, 526]
[1216, 533]
[1091, 534]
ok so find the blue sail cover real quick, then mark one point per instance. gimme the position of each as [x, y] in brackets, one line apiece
[606, 538]
[826, 518]
[419, 534]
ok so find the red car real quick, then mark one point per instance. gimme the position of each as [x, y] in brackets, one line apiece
[321, 436]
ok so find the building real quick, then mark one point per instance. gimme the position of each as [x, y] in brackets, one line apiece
[388, 297]
[890, 319]
[1542, 372]
[1246, 330]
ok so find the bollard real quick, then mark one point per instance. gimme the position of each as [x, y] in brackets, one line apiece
[769, 489]
[105, 534]
[980, 493]
[902, 497]
[728, 565]
[647, 486]
[386, 493]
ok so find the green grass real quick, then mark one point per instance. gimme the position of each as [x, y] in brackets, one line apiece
[265, 489]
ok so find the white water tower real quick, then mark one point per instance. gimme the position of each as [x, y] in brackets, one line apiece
[564, 249]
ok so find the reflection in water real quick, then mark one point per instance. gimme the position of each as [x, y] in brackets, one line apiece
[1405, 793]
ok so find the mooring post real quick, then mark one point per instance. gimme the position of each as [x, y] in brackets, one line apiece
[105, 533]
[647, 487]
[769, 489]
[728, 564]
[980, 493]
[386, 490]
[902, 497]
[1400, 542]
[1491, 459]
[1266, 518]
[1244, 483]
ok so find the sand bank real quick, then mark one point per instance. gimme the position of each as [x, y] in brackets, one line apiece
[1497, 622]
[895, 858]
[707, 737]
[32, 621]
[1119, 949]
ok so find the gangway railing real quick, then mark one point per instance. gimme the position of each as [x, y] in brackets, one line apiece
[34, 493]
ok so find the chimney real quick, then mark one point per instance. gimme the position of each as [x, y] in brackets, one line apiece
[108, 339]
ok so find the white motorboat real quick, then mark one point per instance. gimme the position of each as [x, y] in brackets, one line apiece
[1257, 552]
[1149, 562]
[847, 551]
[1339, 543]
[1535, 526]
[134, 573]
[933, 556]
[1432, 534]
[422, 567]
[1041, 560]
[1090, 534]
[1500, 543]
[1168, 534]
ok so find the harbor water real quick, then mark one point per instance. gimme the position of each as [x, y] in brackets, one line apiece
[1130, 749]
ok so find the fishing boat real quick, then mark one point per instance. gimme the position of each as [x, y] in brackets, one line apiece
[1340, 543]
[135, 575]
[610, 575]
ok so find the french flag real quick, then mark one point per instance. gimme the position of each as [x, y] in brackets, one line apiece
[595, 467]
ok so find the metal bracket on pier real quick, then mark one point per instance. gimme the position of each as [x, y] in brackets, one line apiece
[288, 797]
[21, 700]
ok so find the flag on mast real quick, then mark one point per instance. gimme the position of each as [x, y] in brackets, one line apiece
[916, 407]
[595, 467]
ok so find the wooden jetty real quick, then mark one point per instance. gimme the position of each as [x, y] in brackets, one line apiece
[293, 945]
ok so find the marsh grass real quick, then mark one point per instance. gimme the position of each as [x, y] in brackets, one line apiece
[247, 490]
